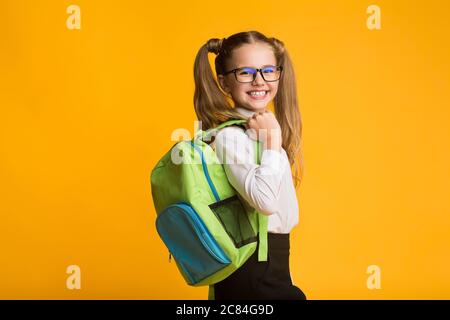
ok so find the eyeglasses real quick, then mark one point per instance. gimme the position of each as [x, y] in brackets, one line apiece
[248, 74]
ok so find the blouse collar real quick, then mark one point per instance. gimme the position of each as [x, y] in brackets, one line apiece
[244, 112]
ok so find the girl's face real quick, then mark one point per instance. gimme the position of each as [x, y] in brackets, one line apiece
[256, 56]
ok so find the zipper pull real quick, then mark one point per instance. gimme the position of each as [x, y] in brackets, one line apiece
[170, 257]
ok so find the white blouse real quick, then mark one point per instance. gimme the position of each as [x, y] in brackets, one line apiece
[267, 187]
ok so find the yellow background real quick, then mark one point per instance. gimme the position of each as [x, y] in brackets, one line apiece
[86, 114]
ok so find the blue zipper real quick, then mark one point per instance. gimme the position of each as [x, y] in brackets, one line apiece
[205, 170]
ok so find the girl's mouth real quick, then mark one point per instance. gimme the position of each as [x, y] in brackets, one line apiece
[258, 94]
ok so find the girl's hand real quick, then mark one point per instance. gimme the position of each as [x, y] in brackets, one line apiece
[264, 126]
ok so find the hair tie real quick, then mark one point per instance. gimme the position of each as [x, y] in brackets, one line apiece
[215, 45]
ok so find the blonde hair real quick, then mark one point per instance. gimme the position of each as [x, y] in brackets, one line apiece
[211, 104]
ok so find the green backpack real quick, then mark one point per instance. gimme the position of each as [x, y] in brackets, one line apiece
[201, 218]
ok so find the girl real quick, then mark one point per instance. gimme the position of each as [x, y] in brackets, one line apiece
[252, 70]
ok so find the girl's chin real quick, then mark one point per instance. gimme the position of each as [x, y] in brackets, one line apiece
[258, 104]
[257, 101]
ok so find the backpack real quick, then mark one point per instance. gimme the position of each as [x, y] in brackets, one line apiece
[201, 218]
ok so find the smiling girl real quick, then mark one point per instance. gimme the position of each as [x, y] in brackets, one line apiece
[253, 71]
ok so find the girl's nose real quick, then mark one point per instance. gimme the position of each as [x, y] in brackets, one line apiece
[258, 79]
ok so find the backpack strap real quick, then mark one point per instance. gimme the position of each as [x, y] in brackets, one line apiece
[262, 218]
[206, 135]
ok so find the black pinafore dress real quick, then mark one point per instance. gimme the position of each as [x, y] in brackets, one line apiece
[266, 280]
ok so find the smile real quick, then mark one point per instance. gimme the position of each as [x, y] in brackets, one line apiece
[257, 95]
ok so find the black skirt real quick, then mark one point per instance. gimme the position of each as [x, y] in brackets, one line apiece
[266, 280]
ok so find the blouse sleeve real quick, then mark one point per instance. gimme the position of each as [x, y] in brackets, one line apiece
[259, 185]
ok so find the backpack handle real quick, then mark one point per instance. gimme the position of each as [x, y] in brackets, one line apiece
[205, 136]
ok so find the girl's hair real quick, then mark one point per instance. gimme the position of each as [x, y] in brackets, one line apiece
[211, 104]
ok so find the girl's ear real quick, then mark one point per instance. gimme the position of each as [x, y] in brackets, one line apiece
[223, 83]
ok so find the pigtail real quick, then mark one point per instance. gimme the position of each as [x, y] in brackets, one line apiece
[210, 103]
[288, 112]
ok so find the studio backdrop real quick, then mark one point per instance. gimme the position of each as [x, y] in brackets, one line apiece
[91, 92]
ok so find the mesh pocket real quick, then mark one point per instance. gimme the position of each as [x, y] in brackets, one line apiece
[234, 218]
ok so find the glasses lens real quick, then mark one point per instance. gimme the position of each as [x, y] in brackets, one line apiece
[271, 73]
[245, 74]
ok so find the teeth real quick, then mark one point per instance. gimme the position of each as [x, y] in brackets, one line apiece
[258, 93]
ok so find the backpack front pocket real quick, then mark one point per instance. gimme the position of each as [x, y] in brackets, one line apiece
[234, 219]
[190, 242]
